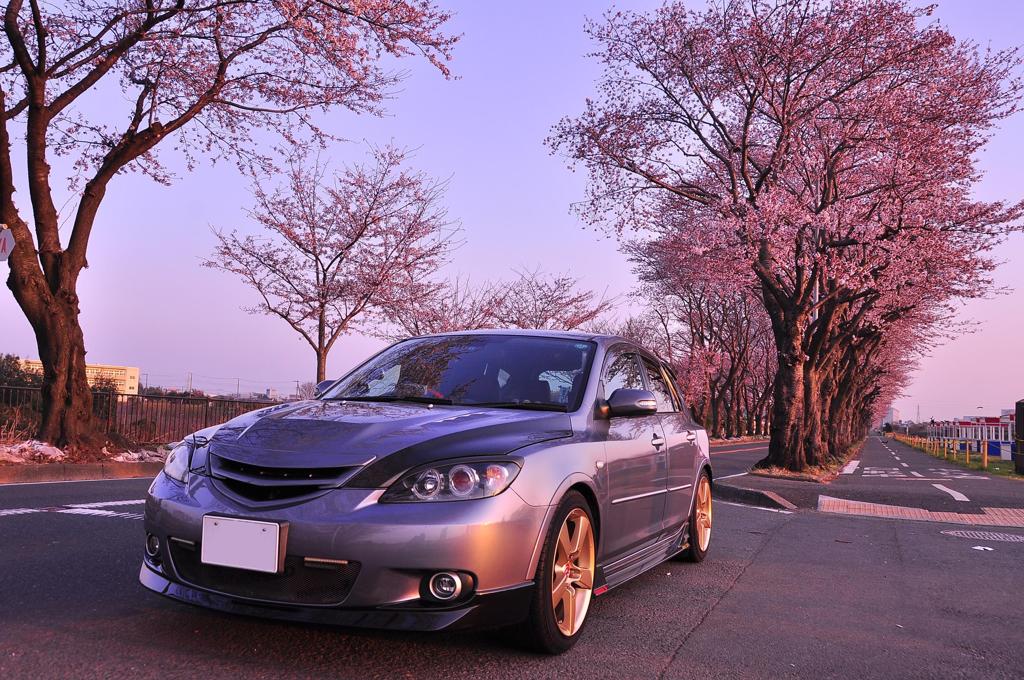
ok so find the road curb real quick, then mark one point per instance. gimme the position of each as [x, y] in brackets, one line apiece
[762, 499]
[69, 472]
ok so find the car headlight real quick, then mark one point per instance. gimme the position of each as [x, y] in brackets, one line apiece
[455, 481]
[176, 465]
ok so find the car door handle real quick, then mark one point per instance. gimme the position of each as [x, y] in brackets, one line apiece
[691, 437]
[657, 442]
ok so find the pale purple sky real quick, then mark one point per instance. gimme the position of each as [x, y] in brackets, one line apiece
[147, 302]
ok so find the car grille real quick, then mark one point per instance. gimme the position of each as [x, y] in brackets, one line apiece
[326, 583]
[264, 484]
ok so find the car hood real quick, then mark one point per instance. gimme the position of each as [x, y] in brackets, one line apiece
[393, 436]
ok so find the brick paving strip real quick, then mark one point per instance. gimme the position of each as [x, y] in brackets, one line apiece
[994, 517]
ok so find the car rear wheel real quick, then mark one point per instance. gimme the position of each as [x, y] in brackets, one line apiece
[700, 522]
[564, 585]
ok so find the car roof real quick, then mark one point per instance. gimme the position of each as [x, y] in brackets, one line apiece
[601, 338]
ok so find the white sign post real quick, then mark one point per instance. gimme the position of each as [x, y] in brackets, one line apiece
[6, 242]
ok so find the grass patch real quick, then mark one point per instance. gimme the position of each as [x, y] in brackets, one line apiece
[822, 474]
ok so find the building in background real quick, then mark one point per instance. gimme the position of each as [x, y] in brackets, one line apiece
[892, 416]
[125, 379]
[998, 431]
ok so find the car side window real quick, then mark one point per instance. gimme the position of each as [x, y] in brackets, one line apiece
[623, 372]
[673, 383]
[659, 387]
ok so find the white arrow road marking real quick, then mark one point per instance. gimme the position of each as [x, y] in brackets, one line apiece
[957, 496]
[850, 467]
[982, 547]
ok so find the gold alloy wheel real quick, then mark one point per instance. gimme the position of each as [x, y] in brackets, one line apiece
[572, 575]
[703, 514]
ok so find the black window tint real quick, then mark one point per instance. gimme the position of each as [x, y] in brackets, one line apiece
[658, 386]
[622, 373]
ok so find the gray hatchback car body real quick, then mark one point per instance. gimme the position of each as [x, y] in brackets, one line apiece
[321, 470]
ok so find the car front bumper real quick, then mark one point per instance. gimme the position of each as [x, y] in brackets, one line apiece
[394, 549]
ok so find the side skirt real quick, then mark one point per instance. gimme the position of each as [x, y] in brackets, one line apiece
[629, 567]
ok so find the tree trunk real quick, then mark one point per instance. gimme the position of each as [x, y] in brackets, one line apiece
[321, 366]
[786, 441]
[814, 440]
[67, 399]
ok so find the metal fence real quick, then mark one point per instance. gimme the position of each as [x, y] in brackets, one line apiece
[140, 419]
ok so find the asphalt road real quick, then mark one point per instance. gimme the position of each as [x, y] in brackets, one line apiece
[889, 473]
[781, 595]
[729, 460]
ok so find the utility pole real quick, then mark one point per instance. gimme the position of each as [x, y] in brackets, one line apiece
[189, 388]
[238, 387]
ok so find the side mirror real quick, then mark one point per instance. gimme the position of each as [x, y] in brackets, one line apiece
[321, 387]
[625, 402]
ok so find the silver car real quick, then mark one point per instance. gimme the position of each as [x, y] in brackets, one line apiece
[475, 479]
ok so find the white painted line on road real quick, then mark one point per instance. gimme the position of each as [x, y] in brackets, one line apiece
[916, 474]
[755, 507]
[957, 496]
[850, 467]
[18, 511]
[896, 457]
[107, 504]
[93, 512]
[904, 465]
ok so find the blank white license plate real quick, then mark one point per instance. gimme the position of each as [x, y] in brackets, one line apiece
[243, 544]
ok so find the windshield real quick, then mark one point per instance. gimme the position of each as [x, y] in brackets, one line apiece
[509, 371]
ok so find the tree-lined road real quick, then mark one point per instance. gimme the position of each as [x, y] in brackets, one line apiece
[802, 594]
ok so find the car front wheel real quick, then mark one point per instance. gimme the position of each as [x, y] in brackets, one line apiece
[565, 578]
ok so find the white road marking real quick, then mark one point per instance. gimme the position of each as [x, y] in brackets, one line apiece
[850, 467]
[896, 457]
[93, 512]
[916, 474]
[91, 509]
[755, 507]
[107, 504]
[904, 465]
[957, 496]
[18, 511]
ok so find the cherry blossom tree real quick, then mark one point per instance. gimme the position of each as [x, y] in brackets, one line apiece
[538, 300]
[340, 248]
[455, 304]
[532, 299]
[821, 148]
[109, 83]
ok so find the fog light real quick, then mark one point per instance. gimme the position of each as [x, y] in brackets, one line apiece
[152, 545]
[445, 585]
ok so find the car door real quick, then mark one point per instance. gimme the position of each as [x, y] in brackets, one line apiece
[636, 462]
[682, 446]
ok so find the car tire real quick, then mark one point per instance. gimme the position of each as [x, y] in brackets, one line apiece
[547, 628]
[699, 530]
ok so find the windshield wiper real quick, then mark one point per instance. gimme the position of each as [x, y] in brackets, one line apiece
[389, 397]
[529, 406]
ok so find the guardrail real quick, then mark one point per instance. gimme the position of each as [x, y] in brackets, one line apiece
[140, 419]
[955, 450]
